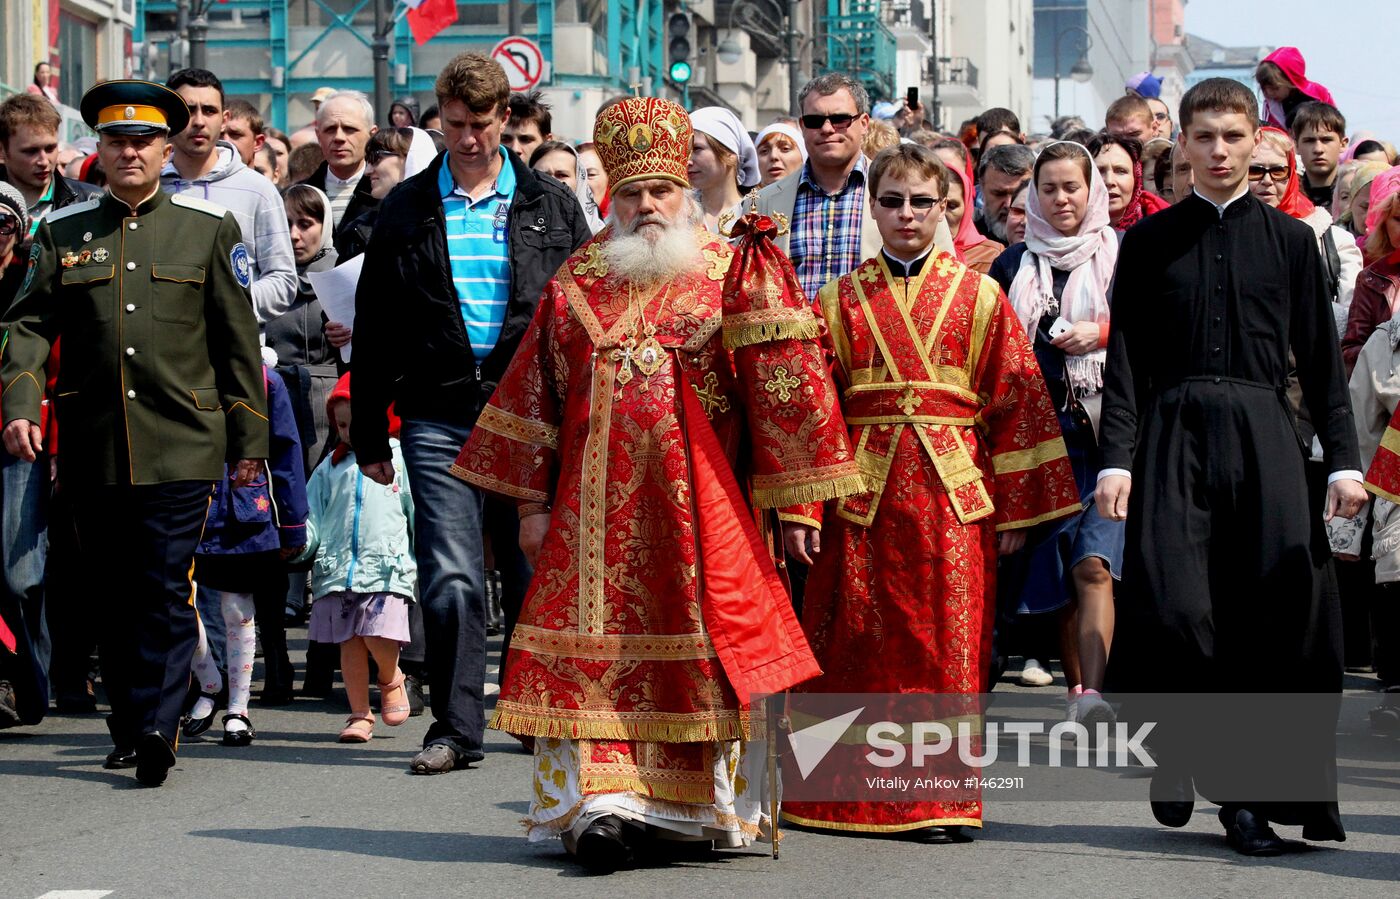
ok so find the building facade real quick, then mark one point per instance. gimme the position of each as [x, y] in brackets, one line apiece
[1113, 36]
[84, 41]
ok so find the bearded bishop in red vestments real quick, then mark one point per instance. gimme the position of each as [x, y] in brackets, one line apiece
[640, 423]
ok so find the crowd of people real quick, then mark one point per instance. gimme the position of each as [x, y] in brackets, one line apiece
[689, 414]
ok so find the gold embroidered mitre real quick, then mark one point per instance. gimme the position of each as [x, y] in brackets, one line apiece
[643, 137]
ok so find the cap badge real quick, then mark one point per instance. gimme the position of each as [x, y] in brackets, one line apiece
[130, 112]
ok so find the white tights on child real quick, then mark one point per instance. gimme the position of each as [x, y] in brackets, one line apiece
[237, 609]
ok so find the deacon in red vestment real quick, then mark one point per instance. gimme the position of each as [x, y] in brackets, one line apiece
[961, 451]
[655, 611]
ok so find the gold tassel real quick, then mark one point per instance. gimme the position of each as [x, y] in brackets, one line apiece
[815, 492]
[799, 327]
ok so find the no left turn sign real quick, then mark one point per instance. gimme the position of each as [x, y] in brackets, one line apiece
[522, 60]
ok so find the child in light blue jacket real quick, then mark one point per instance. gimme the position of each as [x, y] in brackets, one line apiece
[361, 536]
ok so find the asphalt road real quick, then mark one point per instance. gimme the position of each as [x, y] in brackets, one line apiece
[297, 814]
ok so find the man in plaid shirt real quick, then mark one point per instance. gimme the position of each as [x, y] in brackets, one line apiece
[831, 230]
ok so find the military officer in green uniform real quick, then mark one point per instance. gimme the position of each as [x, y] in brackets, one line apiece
[160, 385]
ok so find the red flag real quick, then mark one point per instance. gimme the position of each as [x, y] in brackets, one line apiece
[429, 17]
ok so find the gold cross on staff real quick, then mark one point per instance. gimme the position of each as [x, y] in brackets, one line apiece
[636, 88]
[909, 400]
[710, 397]
[782, 384]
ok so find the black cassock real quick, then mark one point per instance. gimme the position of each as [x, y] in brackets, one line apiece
[1226, 583]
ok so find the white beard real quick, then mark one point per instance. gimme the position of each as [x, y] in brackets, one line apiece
[650, 258]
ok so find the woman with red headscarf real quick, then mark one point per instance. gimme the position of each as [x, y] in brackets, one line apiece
[1273, 177]
[975, 251]
[1119, 161]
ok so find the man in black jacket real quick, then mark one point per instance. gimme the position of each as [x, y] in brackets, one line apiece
[344, 124]
[454, 269]
[29, 138]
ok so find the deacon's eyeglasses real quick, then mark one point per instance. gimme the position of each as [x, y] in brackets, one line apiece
[1278, 173]
[923, 204]
[839, 120]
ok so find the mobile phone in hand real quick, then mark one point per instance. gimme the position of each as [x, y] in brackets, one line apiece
[911, 97]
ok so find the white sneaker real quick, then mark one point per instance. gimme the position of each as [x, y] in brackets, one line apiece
[1034, 675]
[1093, 710]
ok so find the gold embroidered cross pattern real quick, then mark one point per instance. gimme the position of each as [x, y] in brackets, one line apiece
[593, 263]
[909, 400]
[782, 384]
[710, 396]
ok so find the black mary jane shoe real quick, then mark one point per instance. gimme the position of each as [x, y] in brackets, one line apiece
[119, 758]
[602, 848]
[238, 737]
[155, 756]
[1252, 836]
[193, 727]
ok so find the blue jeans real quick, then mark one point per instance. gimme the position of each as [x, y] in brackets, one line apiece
[451, 584]
[24, 493]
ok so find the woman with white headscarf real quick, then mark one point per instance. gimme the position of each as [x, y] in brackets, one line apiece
[781, 151]
[1058, 284]
[723, 161]
[562, 162]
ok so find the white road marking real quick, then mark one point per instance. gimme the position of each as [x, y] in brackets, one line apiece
[76, 894]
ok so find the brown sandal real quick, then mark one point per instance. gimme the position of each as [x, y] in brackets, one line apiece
[358, 729]
[393, 702]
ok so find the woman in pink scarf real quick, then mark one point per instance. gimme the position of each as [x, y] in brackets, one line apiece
[1282, 78]
[1057, 282]
[1377, 295]
[975, 251]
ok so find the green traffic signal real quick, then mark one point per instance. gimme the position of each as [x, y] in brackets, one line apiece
[680, 72]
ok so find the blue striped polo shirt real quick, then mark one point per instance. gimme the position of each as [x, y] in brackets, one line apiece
[476, 246]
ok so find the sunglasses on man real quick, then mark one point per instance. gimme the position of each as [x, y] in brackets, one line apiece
[894, 201]
[1277, 173]
[8, 225]
[839, 120]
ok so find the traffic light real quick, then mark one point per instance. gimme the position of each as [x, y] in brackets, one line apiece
[679, 26]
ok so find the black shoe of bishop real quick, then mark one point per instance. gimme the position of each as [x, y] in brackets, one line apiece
[942, 835]
[1250, 835]
[155, 756]
[1173, 798]
[602, 848]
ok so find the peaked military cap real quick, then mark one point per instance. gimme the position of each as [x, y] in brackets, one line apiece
[134, 107]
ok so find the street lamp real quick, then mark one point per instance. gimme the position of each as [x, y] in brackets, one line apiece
[1081, 71]
[766, 17]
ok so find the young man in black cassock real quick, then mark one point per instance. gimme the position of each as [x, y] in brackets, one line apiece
[1226, 586]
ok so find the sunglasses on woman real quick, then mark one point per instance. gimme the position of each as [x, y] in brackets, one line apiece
[839, 120]
[923, 204]
[1277, 173]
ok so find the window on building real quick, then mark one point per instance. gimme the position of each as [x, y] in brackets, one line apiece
[1052, 19]
[77, 57]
